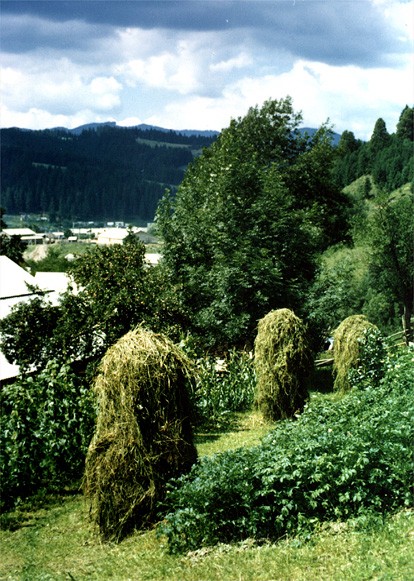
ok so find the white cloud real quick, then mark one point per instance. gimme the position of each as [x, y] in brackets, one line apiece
[351, 97]
[63, 71]
[238, 62]
[41, 119]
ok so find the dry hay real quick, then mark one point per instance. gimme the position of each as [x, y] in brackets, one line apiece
[143, 434]
[283, 362]
[347, 340]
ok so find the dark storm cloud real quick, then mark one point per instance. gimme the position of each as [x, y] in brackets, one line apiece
[331, 31]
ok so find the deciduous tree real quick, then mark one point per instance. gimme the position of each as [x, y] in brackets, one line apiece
[252, 211]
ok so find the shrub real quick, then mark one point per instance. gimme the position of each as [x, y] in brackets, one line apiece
[143, 434]
[371, 360]
[224, 387]
[45, 428]
[283, 364]
[341, 459]
[348, 340]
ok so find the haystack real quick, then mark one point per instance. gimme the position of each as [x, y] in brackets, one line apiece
[283, 362]
[143, 434]
[346, 348]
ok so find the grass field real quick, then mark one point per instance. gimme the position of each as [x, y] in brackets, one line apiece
[54, 540]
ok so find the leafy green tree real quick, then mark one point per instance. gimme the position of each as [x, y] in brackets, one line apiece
[27, 330]
[391, 237]
[380, 137]
[339, 289]
[13, 247]
[405, 125]
[2, 222]
[243, 231]
[116, 292]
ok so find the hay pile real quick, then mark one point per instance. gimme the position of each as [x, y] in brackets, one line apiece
[143, 434]
[347, 341]
[283, 362]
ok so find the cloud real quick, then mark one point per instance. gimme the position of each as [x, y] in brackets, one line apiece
[352, 98]
[196, 64]
[336, 32]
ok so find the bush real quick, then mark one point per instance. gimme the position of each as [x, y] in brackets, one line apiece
[223, 387]
[283, 364]
[45, 428]
[341, 459]
[371, 359]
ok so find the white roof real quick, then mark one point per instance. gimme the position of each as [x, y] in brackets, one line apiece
[19, 231]
[13, 290]
[152, 258]
[52, 281]
[114, 233]
[7, 370]
[13, 279]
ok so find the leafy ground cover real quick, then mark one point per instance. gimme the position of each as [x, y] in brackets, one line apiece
[51, 537]
[55, 541]
[344, 458]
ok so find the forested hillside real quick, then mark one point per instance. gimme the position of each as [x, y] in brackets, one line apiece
[388, 158]
[102, 172]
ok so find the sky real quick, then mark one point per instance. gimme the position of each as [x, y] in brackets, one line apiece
[197, 64]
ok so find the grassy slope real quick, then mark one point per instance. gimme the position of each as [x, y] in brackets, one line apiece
[57, 542]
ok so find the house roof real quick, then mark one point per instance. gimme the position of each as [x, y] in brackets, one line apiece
[14, 279]
[152, 258]
[19, 231]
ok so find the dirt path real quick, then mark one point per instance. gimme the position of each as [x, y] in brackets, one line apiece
[36, 252]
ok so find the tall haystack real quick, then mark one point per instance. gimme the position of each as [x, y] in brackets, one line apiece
[143, 434]
[346, 348]
[283, 362]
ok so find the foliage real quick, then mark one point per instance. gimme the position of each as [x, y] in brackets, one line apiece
[242, 234]
[13, 247]
[373, 275]
[387, 157]
[143, 433]
[223, 386]
[283, 364]
[371, 360]
[26, 331]
[342, 459]
[45, 428]
[390, 233]
[340, 287]
[405, 125]
[54, 261]
[348, 339]
[2, 222]
[115, 292]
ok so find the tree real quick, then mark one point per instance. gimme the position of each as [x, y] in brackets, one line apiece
[2, 222]
[405, 125]
[391, 237]
[380, 137]
[116, 292]
[241, 235]
[13, 247]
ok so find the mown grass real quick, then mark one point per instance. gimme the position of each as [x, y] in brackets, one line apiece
[56, 541]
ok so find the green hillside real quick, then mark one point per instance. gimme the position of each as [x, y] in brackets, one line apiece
[101, 173]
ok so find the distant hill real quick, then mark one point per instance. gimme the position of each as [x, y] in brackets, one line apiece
[141, 127]
[311, 131]
[98, 171]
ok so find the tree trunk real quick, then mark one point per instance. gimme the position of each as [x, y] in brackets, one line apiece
[406, 321]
